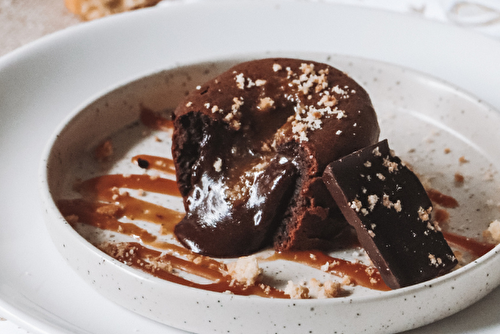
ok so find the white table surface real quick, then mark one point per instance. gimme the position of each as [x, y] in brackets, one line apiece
[429, 9]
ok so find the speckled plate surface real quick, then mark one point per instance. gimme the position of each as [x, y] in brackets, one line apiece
[39, 290]
[426, 121]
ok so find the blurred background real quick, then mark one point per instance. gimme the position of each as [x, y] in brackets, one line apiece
[22, 21]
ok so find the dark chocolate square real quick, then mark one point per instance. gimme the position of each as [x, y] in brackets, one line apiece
[391, 212]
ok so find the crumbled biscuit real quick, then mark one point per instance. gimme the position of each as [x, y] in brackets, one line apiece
[459, 178]
[347, 280]
[328, 289]
[218, 165]
[493, 230]
[260, 82]
[276, 67]
[245, 270]
[265, 104]
[391, 166]
[155, 265]
[104, 150]
[372, 201]
[296, 291]
[93, 9]
[72, 219]
[240, 81]
[424, 214]
[328, 266]
[356, 205]
[108, 210]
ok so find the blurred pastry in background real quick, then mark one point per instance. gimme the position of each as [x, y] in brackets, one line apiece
[93, 9]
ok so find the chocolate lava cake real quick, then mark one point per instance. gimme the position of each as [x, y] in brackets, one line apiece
[250, 147]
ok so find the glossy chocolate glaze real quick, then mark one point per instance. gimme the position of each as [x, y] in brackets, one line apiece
[257, 112]
[391, 212]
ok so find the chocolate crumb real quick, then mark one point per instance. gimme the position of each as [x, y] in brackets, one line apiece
[143, 163]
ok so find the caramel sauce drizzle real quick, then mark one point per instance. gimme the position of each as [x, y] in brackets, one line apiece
[107, 188]
[363, 275]
[154, 162]
[102, 215]
[104, 201]
[155, 121]
[104, 187]
[441, 215]
[474, 247]
[147, 259]
[442, 199]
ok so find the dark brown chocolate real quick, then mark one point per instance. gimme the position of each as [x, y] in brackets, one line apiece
[391, 212]
[243, 123]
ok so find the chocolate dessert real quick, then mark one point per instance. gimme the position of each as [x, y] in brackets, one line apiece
[250, 147]
[391, 212]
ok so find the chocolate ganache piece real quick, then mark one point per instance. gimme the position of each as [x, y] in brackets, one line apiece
[391, 212]
[250, 147]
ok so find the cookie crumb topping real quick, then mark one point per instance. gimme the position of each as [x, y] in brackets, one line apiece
[245, 270]
[423, 214]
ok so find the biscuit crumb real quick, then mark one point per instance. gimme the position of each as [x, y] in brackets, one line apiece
[71, 219]
[240, 81]
[459, 179]
[493, 230]
[347, 280]
[296, 291]
[356, 205]
[155, 265]
[245, 270]
[108, 210]
[94, 9]
[104, 151]
[391, 166]
[328, 289]
[218, 165]
[265, 104]
[372, 200]
[423, 214]
[397, 206]
[327, 266]
[260, 82]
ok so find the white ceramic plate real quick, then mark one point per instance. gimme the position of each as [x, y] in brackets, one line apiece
[419, 115]
[43, 82]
